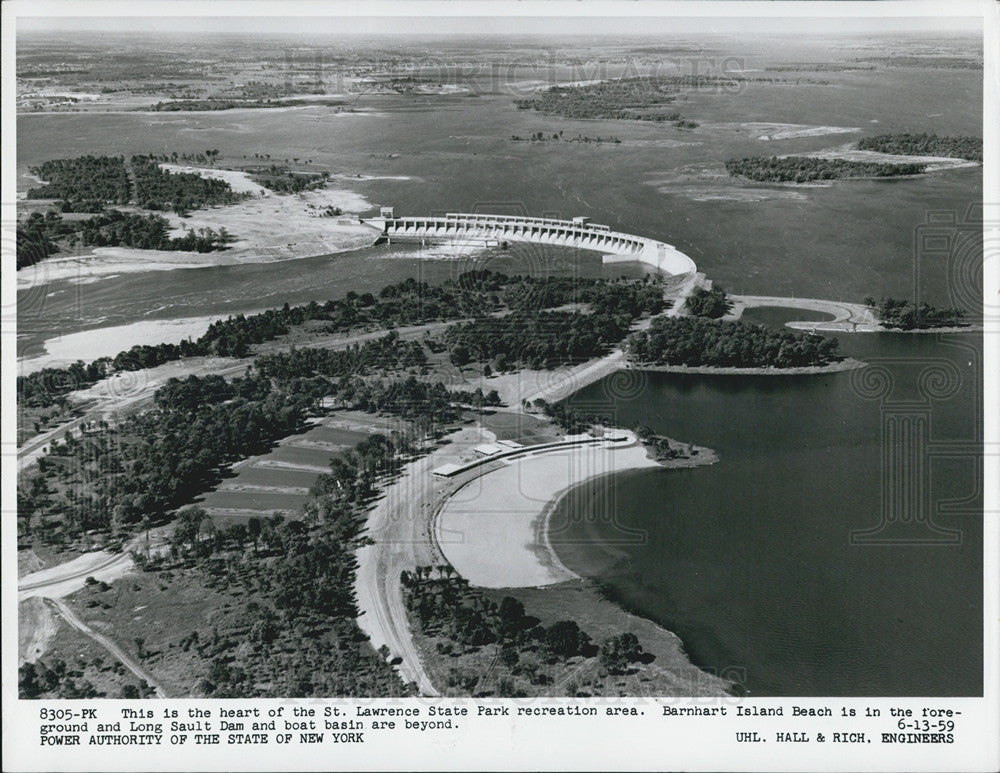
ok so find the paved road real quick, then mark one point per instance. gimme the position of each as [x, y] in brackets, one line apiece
[847, 316]
[399, 543]
[69, 577]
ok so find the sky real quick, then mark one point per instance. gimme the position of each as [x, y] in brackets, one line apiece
[443, 18]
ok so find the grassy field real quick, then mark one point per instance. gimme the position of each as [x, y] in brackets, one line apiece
[159, 611]
[664, 669]
[87, 661]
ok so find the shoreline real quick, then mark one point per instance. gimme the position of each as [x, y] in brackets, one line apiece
[830, 328]
[563, 586]
[495, 534]
[703, 458]
[93, 343]
[305, 231]
[809, 370]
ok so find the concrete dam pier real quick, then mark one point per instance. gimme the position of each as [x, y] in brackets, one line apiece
[496, 229]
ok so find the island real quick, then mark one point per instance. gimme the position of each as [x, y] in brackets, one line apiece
[804, 169]
[969, 148]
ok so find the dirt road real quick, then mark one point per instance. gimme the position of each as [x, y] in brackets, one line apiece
[70, 617]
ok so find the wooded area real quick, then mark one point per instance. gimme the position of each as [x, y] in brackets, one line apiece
[969, 148]
[698, 341]
[905, 315]
[802, 169]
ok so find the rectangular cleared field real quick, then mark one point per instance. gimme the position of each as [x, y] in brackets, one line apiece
[269, 483]
[275, 476]
[253, 500]
[345, 437]
[312, 457]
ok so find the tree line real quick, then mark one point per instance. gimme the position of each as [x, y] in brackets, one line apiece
[40, 236]
[442, 604]
[903, 314]
[290, 628]
[696, 341]
[544, 339]
[282, 180]
[540, 340]
[924, 144]
[801, 169]
[156, 188]
[99, 179]
[640, 98]
[557, 136]
[59, 679]
[111, 480]
[89, 183]
[471, 294]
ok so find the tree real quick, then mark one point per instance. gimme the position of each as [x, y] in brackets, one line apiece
[130, 692]
[564, 639]
[511, 618]
[509, 657]
[28, 682]
[618, 652]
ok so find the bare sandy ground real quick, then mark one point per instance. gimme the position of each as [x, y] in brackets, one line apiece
[267, 227]
[493, 530]
[36, 627]
[88, 345]
[238, 181]
[934, 163]
[786, 131]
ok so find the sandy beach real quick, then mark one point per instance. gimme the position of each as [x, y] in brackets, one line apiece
[934, 163]
[785, 131]
[493, 529]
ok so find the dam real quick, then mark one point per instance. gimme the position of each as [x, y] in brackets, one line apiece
[498, 229]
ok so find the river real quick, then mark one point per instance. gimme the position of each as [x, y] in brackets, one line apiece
[758, 562]
[751, 560]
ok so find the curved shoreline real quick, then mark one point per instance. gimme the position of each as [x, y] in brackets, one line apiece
[703, 457]
[564, 588]
[497, 535]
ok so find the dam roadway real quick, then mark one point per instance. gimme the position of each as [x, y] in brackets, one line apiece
[579, 232]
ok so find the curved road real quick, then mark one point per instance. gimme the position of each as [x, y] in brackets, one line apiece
[395, 526]
[846, 316]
